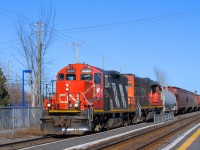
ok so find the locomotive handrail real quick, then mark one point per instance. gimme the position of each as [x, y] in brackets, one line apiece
[86, 92]
[86, 99]
[89, 88]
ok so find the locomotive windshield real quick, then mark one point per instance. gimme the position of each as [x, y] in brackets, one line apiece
[70, 77]
[86, 76]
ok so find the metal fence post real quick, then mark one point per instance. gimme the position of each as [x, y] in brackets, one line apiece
[28, 117]
[13, 131]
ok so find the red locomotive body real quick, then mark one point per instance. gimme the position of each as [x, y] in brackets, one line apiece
[143, 97]
[79, 87]
[143, 91]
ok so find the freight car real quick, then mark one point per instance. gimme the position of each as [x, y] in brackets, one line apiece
[88, 98]
[186, 101]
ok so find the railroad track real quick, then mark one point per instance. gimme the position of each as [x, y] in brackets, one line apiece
[149, 138]
[28, 143]
[152, 136]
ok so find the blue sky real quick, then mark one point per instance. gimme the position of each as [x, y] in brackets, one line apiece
[133, 36]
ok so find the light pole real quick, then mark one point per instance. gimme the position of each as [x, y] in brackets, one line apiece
[24, 71]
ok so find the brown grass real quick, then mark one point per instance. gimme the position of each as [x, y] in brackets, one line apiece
[23, 133]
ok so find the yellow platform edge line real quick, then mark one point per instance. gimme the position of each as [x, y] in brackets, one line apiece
[187, 143]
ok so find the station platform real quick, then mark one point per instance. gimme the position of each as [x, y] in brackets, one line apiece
[188, 141]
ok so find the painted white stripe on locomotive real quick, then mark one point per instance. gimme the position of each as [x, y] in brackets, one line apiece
[63, 95]
[122, 95]
[63, 102]
[115, 95]
[70, 95]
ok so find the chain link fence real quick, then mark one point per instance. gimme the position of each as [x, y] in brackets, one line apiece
[20, 118]
[163, 117]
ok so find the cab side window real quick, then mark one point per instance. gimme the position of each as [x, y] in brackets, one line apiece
[154, 88]
[97, 78]
[107, 81]
[61, 76]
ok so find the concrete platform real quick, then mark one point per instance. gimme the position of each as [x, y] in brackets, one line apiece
[189, 140]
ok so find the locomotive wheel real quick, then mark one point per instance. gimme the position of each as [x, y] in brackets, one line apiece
[125, 123]
[135, 120]
[98, 128]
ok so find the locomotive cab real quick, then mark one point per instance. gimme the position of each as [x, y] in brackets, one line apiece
[78, 86]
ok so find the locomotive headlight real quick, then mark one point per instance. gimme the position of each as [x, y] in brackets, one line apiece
[70, 105]
[76, 105]
[48, 105]
[67, 89]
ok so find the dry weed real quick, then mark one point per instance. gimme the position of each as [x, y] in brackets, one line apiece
[23, 133]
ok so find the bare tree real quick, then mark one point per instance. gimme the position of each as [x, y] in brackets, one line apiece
[35, 39]
[161, 76]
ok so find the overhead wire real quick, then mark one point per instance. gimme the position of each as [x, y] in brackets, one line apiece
[60, 32]
[134, 22]
[90, 50]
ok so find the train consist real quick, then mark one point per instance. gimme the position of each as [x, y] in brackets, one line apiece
[88, 99]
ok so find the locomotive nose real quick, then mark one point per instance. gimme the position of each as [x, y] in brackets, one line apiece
[74, 95]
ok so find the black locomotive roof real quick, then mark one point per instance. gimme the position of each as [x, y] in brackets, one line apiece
[154, 83]
[113, 73]
[110, 72]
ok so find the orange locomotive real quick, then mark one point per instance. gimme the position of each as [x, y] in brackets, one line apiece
[91, 99]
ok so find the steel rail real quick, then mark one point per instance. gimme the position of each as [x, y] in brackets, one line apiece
[169, 134]
[136, 135]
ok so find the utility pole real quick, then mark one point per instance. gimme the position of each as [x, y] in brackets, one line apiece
[103, 63]
[76, 45]
[8, 82]
[39, 64]
[120, 69]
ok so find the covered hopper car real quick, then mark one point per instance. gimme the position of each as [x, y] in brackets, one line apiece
[186, 101]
